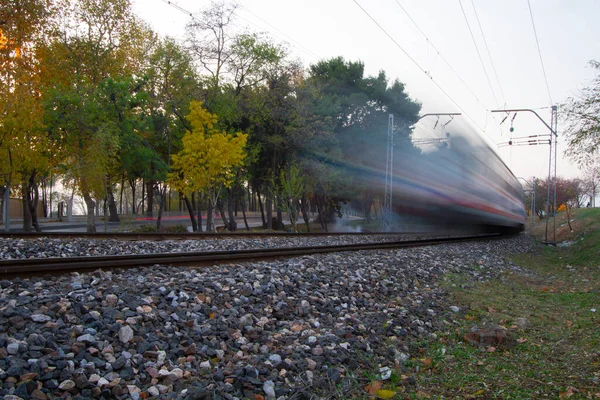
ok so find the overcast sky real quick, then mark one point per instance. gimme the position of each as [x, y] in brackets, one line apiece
[568, 33]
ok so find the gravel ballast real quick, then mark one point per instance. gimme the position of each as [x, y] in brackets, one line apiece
[288, 328]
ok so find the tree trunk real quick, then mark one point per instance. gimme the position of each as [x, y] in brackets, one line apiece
[133, 208]
[199, 214]
[260, 205]
[112, 205]
[141, 207]
[222, 212]
[210, 226]
[191, 211]
[26, 210]
[150, 195]
[321, 213]
[91, 206]
[305, 216]
[243, 204]
[232, 225]
[2, 194]
[33, 197]
[121, 194]
[280, 225]
[161, 206]
[269, 206]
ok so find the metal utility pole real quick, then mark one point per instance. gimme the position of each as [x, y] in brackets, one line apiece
[551, 160]
[554, 122]
[389, 164]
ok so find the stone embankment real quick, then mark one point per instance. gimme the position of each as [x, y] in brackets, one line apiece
[297, 328]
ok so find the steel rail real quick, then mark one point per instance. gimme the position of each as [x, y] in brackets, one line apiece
[189, 236]
[38, 265]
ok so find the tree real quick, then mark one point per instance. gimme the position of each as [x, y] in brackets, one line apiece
[582, 119]
[172, 84]
[290, 189]
[95, 45]
[591, 181]
[568, 192]
[208, 158]
[359, 106]
[24, 26]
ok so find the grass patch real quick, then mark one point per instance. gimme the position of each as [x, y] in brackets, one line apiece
[557, 355]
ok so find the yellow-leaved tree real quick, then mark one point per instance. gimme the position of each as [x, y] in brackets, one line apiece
[209, 157]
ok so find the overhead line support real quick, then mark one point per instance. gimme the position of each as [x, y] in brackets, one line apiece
[553, 127]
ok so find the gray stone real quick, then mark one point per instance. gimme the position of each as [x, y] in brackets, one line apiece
[125, 334]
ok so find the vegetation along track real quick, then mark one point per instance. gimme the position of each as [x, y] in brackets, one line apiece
[44, 265]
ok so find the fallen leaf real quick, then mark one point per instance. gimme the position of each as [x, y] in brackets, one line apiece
[426, 361]
[491, 349]
[567, 394]
[373, 387]
[569, 323]
[422, 395]
[521, 340]
[212, 315]
[469, 317]
[480, 363]
[479, 392]
[385, 394]
[491, 310]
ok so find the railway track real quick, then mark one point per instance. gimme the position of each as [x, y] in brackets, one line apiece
[182, 236]
[64, 264]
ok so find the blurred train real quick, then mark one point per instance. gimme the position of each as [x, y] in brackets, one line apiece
[458, 182]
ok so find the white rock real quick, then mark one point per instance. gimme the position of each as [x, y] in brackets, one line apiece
[205, 364]
[153, 391]
[102, 382]
[269, 389]
[454, 309]
[66, 385]
[87, 338]
[12, 348]
[125, 334]
[40, 318]
[275, 358]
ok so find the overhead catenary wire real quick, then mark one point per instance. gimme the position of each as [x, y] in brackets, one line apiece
[487, 77]
[488, 52]
[300, 45]
[539, 51]
[442, 57]
[420, 67]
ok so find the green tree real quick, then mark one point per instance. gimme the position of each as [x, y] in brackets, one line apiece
[172, 84]
[359, 106]
[96, 44]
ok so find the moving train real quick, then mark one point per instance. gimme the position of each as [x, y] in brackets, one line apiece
[454, 181]
[459, 182]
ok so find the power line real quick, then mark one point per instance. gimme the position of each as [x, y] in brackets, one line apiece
[489, 53]
[442, 57]
[306, 49]
[539, 51]
[478, 53]
[421, 68]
